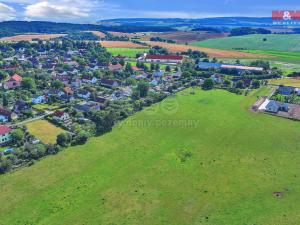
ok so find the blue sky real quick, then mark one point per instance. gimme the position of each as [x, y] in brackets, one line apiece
[94, 10]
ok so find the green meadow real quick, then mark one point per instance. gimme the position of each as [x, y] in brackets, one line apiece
[128, 52]
[267, 42]
[201, 158]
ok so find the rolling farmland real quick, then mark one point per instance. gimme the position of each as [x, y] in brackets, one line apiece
[270, 42]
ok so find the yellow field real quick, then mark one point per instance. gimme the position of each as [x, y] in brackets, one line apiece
[30, 37]
[286, 81]
[44, 131]
[120, 44]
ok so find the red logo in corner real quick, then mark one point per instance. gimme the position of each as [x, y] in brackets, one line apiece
[285, 15]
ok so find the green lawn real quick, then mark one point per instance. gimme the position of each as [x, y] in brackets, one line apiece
[128, 52]
[200, 159]
[273, 42]
[45, 106]
[44, 131]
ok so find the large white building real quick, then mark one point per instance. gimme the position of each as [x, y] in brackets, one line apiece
[172, 59]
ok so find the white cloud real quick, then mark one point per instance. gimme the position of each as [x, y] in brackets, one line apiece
[56, 10]
[6, 12]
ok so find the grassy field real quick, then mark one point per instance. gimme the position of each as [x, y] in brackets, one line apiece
[274, 42]
[128, 52]
[195, 159]
[287, 67]
[293, 57]
[44, 131]
[286, 81]
[45, 106]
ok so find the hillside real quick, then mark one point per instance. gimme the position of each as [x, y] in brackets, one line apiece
[195, 159]
[272, 42]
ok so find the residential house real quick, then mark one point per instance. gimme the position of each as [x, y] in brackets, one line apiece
[177, 75]
[86, 107]
[38, 99]
[109, 83]
[217, 78]
[64, 79]
[85, 94]
[66, 98]
[158, 74]
[102, 102]
[122, 93]
[286, 90]
[13, 82]
[276, 106]
[76, 82]
[154, 83]
[54, 92]
[5, 134]
[89, 80]
[21, 106]
[61, 116]
[117, 67]
[6, 115]
[68, 91]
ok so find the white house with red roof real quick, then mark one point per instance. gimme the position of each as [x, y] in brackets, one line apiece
[5, 134]
[172, 59]
[61, 116]
[14, 82]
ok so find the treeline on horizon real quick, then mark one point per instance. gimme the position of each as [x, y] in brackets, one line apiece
[11, 28]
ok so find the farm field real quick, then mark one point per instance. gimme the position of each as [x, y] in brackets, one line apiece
[195, 159]
[185, 37]
[44, 131]
[293, 57]
[128, 52]
[30, 37]
[286, 81]
[270, 42]
[174, 48]
[122, 34]
[98, 33]
[120, 44]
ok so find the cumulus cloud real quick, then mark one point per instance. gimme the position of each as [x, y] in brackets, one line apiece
[6, 12]
[55, 10]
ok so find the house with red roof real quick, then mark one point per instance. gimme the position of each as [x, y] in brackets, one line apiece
[117, 67]
[13, 82]
[172, 59]
[5, 134]
[61, 116]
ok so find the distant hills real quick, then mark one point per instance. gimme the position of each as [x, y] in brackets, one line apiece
[175, 22]
[10, 28]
